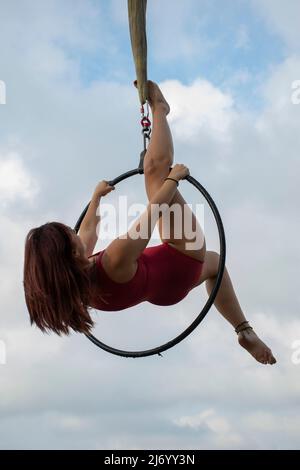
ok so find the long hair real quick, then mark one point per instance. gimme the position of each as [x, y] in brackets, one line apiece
[57, 287]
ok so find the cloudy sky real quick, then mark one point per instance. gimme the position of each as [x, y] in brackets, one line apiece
[71, 118]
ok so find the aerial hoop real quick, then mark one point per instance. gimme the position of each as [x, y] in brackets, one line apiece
[159, 349]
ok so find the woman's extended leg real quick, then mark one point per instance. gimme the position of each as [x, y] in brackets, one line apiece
[157, 163]
[228, 305]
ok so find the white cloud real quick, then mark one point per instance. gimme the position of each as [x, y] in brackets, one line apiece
[197, 109]
[15, 180]
[210, 420]
[70, 423]
[278, 90]
[205, 418]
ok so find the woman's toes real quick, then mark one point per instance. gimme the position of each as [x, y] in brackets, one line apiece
[272, 359]
[269, 356]
[266, 356]
[260, 358]
[264, 359]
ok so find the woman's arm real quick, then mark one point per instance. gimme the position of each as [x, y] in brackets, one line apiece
[128, 248]
[88, 228]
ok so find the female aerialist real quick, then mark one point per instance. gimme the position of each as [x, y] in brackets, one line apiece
[63, 279]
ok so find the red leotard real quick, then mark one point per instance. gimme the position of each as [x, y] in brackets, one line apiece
[164, 276]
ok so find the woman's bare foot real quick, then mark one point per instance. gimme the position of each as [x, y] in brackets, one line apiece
[156, 98]
[249, 340]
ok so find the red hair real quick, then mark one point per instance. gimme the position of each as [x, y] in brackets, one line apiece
[57, 287]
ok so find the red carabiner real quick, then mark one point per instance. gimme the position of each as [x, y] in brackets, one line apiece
[145, 122]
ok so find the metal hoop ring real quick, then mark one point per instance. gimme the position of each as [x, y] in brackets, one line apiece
[159, 349]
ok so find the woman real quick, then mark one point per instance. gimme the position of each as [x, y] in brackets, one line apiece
[62, 279]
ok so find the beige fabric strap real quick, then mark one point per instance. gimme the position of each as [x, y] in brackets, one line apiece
[138, 36]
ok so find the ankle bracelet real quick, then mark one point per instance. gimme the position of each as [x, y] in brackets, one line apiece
[243, 326]
[243, 329]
